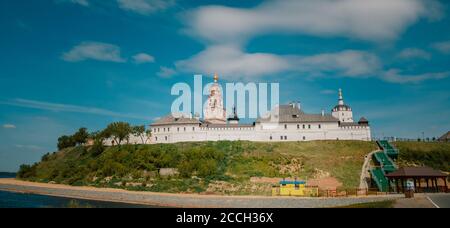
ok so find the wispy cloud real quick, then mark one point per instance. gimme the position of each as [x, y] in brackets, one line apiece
[58, 107]
[145, 7]
[443, 47]
[81, 2]
[233, 63]
[395, 76]
[414, 53]
[94, 50]
[143, 58]
[328, 91]
[9, 126]
[166, 72]
[78, 2]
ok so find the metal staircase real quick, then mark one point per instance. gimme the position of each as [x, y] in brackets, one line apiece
[386, 163]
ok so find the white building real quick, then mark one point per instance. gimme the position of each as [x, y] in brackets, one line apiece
[284, 123]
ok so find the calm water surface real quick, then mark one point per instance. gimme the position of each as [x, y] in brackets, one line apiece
[20, 200]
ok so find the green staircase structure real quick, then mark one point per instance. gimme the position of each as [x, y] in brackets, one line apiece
[388, 148]
[386, 163]
[380, 180]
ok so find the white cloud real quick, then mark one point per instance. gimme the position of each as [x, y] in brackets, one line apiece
[379, 20]
[94, 50]
[443, 47]
[232, 63]
[412, 53]
[166, 72]
[145, 7]
[349, 63]
[58, 107]
[143, 58]
[226, 30]
[9, 126]
[395, 76]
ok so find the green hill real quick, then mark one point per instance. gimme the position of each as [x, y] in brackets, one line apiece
[433, 154]
[203, 167]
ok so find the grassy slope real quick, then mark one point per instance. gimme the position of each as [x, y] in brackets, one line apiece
[241, 160]
[433, 154]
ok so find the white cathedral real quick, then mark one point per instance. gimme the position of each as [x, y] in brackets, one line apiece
[284, 123]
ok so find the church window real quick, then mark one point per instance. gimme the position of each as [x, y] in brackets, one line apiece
[156, 138]
[320, 126]
[285, 126]
[281, 137]
[270, 137]
[304, 138]
[193, 128]
[165, 138]
[184, 128]
[298, 126]
[285, 137]
[178, 129]
[303, 126]
[309, 126]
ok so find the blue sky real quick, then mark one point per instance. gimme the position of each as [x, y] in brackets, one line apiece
[66, 64]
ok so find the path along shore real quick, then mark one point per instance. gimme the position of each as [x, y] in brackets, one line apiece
[181, 200]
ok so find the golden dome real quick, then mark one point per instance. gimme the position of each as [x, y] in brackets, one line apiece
[216, 77]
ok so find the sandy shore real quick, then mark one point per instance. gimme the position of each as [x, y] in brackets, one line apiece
[180, 200]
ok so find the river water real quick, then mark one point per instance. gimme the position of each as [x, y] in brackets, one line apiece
[21, 200]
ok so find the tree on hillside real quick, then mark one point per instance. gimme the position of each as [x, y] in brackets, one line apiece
[81, 136]
[119, 131]
[139, 131]
[65, 142]
[98, 138]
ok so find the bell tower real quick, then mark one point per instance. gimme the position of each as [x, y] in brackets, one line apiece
[342, 111]
[214, 110]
